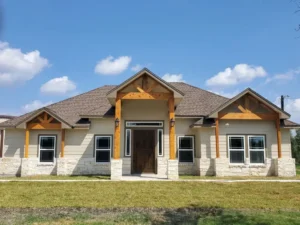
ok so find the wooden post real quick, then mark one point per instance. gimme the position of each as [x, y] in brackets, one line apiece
[117, 135]
[62, 148]
[26, 143]
[171, 128]
[217, 139]
[1, 142]
[278, 136]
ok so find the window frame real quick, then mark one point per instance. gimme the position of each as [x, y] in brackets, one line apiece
[130, 147]
[54, 150]
[229, 149]
[162, 142]
[193, 149]
[249, 149]
[95, 147]
[159, 123]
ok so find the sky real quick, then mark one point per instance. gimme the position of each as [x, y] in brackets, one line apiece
[53, 50]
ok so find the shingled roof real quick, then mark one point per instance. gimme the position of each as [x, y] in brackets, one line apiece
[195, 103]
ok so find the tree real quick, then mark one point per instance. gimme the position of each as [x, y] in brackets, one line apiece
[296, 146]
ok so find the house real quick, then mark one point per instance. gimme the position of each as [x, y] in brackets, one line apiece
[147, 125]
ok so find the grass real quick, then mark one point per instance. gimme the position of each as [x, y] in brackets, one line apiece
[151, 195]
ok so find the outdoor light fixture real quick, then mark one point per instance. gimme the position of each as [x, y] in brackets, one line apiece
[117, 122]
[172, 122]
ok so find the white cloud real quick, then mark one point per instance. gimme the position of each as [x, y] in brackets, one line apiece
[16, 66]
[226, 94]
[111, 66]
[292, 106]
[36, 104]
[59, 85]
[241, 73]
[290, 75]
[136, 68]
[173, 77]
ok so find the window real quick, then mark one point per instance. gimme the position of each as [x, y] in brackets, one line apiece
[144, 124]
[128, 143]
[256, 149]
[186, 149]
[160, 142]
[103, 148]
[236, 146]
[47, 148]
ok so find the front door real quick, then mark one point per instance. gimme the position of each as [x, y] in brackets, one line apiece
[143, 151]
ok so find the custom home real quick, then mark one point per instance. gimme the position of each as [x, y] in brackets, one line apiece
[147, 125]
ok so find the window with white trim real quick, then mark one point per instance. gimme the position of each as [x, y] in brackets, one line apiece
[47, 148]
[236, 148]
[256, 145]
[160, 137]
[103, 146]
[128, 142]
[186, 149]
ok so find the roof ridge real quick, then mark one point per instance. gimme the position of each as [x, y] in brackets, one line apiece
[201, 89]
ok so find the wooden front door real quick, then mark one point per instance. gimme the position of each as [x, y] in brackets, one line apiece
[143, 151]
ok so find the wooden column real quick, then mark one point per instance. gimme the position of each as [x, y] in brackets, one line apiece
[171, 129]
[217, 139]
[1, 142]
[26, 143]
[117, 136]
[278, 136]
[62, 148]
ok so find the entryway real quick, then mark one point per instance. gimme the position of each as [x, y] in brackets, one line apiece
[143, 160]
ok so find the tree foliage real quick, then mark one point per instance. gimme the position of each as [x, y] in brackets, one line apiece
[295, 140]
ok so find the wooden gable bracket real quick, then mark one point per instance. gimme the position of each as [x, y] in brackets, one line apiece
[45, 122]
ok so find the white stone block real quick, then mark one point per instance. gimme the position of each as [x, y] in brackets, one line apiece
[116, 169]
[173, 169]
[285, 167]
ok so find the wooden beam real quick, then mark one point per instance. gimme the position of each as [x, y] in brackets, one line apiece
[44, 126]
[171, 129]
[247, 104]
[1, 142]
[40, 119]
[26, 143]
[152, 86]
[45, 116]
[145, 96]
[278, 136]
[117, 135]
[138, 87]
[50, 120]
[247, 116]
[62, 148]
[217, 139]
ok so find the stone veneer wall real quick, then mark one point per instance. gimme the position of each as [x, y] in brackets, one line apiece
[10, 166]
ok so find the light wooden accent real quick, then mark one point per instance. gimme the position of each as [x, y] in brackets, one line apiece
[62, 148]
[247, 116]
[171, 129]
[145, 96]
[152, 87]
[217, 139]
[44, 126]
[50, 120]
[278, 136]
[138, 87]
[1, 142]
[117, 136]
[45, 116]
[26, 143]
[247, 104]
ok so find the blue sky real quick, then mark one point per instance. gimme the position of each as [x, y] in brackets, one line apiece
[51, 50]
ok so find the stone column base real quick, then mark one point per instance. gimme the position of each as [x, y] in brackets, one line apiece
[61, 167]
[285, 167]
[116, 169]
[205, 166]
[221, 166]
[173, 169]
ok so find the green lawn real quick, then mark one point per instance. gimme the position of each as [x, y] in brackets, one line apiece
[149, 203]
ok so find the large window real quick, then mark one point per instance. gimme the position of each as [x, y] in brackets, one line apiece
[160, 138]
[236, 146]
[103, 145]
[47, 148]
[186, 149]
[128, 142]
[256, 149]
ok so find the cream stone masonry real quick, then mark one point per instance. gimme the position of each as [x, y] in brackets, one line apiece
[116, 169]
[10, 166]
[285, 167]
[173, 169]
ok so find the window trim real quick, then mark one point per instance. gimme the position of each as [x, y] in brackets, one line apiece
[162, 142]
[193, 149]
[256, 150]
[159, 123]
[130, 147]
[95, 149]
[54, 150]
[229, 150]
